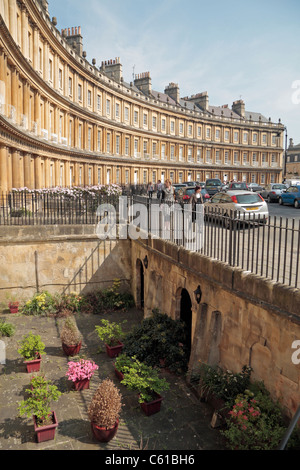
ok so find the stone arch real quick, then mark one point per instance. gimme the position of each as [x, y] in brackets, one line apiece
[215, 331]
[140, 284]
[186, 316]
[261, 362]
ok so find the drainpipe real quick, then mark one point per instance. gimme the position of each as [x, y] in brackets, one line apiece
[289, 430]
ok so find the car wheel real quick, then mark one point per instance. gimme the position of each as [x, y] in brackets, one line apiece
[269, 200]
[296, 204]
[280, 201]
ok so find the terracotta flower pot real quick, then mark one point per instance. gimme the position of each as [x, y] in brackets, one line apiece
[114, 351]
[71, 350]
[152, 407]
[119, 374]
[13, 307]
[46, 433]
[34, 365]
[83, 384]
[102, 434]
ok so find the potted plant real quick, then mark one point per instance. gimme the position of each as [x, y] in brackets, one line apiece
[147, 382]
[32, 349]
[104, 411]
[122, 364]
[38, 405]
[71, 337]
[81, 372]
[112, 335]
[13, 306]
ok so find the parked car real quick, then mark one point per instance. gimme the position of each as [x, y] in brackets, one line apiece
[213, 186]
[257, 188]
[190, 183]
[241, 186]
[177, 187]
[272, 192]
[291, 196]
[184, 194]
[243, 205]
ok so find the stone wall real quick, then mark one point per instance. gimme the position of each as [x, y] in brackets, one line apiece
[242, 319]
[55, 258]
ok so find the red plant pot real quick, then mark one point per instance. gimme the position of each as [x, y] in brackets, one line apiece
[71, 350]
[46, 433]
[152, 407]
[114, 351]
[119, 374]
[34, 365]
[13, 308]
[83, 384]
[102, 434]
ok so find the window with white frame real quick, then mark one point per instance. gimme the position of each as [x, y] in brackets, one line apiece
[208, 155]
[117, 145]
[181, 154]
[145, 145]
[89, 138]
[154, 148]
[208, 132]
[136, 147]
[126, 145]
[117, 110]
[218, 133]
[190, 154]
[198, 155]
[245, 137]
[99, 141]
[98, 103]
[172, 154]
[226, 135]
[236, 136]
[181, 128]
[108, 142]
[254, 137]
[89, 98]
[163, 151]
[180, 177]
[99, 175]
[190, 129]
[245, 157]
[199, 131]
[145, 179]
[126, 113]
[226, 157]
[126, 176]
[117, 175]
[145, 117]
[108, 107]
[79, 92]
[154, 122]
[136, 117]
[235, 157]
[163, 124]
[172, 126]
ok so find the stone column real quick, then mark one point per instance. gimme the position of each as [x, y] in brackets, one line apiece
[27, 171]
[16, 169]
[37, 172]
[3, 169]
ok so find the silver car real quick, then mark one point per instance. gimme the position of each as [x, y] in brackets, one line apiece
[242, 205]
[273, 191]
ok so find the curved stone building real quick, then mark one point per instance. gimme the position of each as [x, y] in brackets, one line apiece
[65, 121]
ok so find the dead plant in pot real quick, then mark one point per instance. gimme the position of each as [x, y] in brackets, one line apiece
[71, 337]
[104, 411]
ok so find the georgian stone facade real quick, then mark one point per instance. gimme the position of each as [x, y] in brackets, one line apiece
[64, 121]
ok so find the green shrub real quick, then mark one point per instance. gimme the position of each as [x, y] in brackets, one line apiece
[225, 385]
[6, 329]
[41, 304]
[110, 332]
[30, 345]
[144, 379]
[159, 338]
[255, 423]
[107, 299]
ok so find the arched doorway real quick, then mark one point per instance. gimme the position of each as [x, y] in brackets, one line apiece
[139, 284]
[186, 317]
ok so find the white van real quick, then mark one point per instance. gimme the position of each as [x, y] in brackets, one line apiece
[289, 183]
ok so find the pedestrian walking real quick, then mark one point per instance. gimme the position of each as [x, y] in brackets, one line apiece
[159, 190]
[195, 199]
[150, 190]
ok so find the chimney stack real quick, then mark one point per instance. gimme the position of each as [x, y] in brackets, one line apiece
[143, 82]
[172, 90]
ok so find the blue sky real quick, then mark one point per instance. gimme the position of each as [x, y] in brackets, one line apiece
[232, 49]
